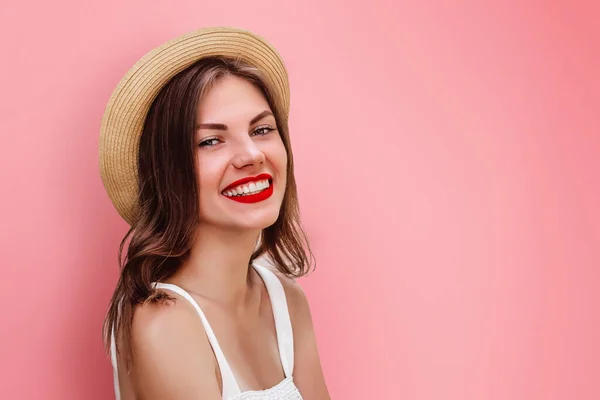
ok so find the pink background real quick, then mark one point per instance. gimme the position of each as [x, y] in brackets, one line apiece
[448, 165]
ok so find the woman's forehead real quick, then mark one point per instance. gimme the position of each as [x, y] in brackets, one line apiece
[230, 101]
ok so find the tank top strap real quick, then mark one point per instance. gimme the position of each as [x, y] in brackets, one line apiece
[113, 361]
[283, 324]
[230, 386]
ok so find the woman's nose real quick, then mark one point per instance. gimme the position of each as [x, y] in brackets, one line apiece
[247, 154]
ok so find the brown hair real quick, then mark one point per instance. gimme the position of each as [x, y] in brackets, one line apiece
[162, 235]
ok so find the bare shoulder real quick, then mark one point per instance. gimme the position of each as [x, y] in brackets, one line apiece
[298, 304]
[160, 325]
[171, 354]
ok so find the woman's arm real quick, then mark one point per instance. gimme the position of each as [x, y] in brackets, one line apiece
[172, 358]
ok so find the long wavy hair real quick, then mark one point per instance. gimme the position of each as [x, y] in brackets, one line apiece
[162, 235]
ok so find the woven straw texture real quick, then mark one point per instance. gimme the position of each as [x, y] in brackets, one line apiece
[128, 106]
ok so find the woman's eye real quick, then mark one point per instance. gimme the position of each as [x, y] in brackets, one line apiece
[209, 142]
[263, 130]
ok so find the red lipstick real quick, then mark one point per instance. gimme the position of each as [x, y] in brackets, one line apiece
[251, 198]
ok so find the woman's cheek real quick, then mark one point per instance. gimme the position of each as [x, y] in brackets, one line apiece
[279, 155]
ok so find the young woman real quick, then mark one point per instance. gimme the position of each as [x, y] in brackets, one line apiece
[196, 157]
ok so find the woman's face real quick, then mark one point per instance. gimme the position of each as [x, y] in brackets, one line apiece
[240, 157]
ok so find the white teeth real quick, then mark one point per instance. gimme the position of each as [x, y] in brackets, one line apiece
[251, 188]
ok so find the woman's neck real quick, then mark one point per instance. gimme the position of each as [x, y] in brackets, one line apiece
[217, 267]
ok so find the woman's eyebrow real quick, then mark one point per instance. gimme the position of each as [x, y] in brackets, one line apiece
[223, 127]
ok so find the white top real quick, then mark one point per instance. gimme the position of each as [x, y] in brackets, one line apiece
[284, 390]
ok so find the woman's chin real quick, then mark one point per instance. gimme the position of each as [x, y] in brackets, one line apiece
[255, 224]
[249, 221]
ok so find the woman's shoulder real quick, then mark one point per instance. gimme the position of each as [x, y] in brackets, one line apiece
[297, 301]
[157, 320]
[170, 347]
[168, 324]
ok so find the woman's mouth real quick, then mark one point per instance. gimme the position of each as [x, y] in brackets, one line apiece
[250, 189]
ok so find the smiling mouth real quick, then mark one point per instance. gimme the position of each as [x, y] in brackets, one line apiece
[250, 189]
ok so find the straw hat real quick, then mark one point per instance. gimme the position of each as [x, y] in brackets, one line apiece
[126, 111]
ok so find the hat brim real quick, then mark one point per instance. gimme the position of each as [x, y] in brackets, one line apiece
[128, 106]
